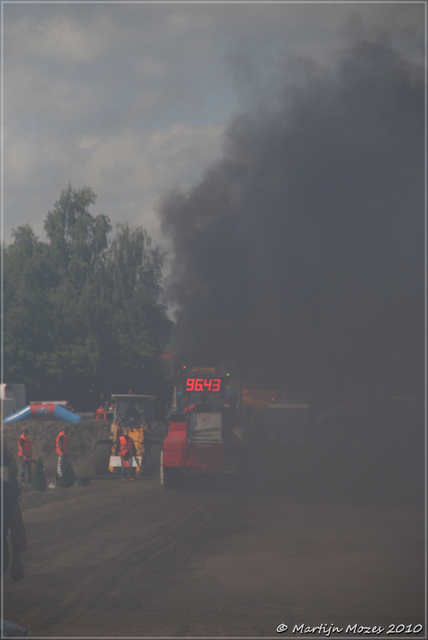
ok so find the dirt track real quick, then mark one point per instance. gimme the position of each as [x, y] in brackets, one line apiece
[130, 560]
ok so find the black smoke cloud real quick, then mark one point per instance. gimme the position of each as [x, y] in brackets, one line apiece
[299, 258]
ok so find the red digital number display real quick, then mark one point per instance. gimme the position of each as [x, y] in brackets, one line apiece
[203, 384]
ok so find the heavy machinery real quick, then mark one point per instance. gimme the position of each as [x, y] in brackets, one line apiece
[204, 431]
[133, 412]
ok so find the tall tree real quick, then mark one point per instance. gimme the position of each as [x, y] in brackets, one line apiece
[28, 327]
[82, 314]
[139, 324]
[77, 238]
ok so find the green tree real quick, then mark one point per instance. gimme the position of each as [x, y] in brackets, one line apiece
[138, 327]
[28, 329]
[77, 239]
[82, 313]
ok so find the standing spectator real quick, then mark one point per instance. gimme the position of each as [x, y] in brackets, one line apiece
[25, 453]
[127, 452]
[65, 475]
[12, 520]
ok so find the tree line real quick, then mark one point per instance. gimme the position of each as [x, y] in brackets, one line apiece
[83, 315]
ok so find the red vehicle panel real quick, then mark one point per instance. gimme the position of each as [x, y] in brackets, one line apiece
[175, 445]
[206, 457]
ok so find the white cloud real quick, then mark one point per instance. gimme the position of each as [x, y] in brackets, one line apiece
[127, 171]
[87, 142]
[133, 99]
[58, 37]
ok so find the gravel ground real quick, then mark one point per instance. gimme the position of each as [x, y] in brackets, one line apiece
[312, 536]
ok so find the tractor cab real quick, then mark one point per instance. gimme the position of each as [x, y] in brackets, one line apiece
[133, 412]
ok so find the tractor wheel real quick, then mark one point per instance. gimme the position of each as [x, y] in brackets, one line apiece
[102, 459]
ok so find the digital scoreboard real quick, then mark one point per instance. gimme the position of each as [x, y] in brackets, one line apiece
[207, 384]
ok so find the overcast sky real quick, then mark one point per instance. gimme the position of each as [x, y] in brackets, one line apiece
[132, 99]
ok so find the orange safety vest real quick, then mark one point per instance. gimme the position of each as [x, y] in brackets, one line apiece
[65, 448]
[126, 445]
[24, 449]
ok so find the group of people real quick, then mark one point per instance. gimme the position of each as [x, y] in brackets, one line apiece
[64, 475]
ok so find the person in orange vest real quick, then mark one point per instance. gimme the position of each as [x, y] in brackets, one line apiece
[25, 453]
[127, 452]
[65, 475]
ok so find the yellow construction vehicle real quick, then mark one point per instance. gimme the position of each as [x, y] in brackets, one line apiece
[133, 412]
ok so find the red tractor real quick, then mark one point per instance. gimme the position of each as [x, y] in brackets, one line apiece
[204, 431]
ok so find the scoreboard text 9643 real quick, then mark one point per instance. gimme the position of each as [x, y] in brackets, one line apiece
[201, 384]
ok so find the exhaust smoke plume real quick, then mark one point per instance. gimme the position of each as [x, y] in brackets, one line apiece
[299, 258]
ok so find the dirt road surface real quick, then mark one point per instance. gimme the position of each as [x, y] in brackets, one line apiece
[220, 560]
